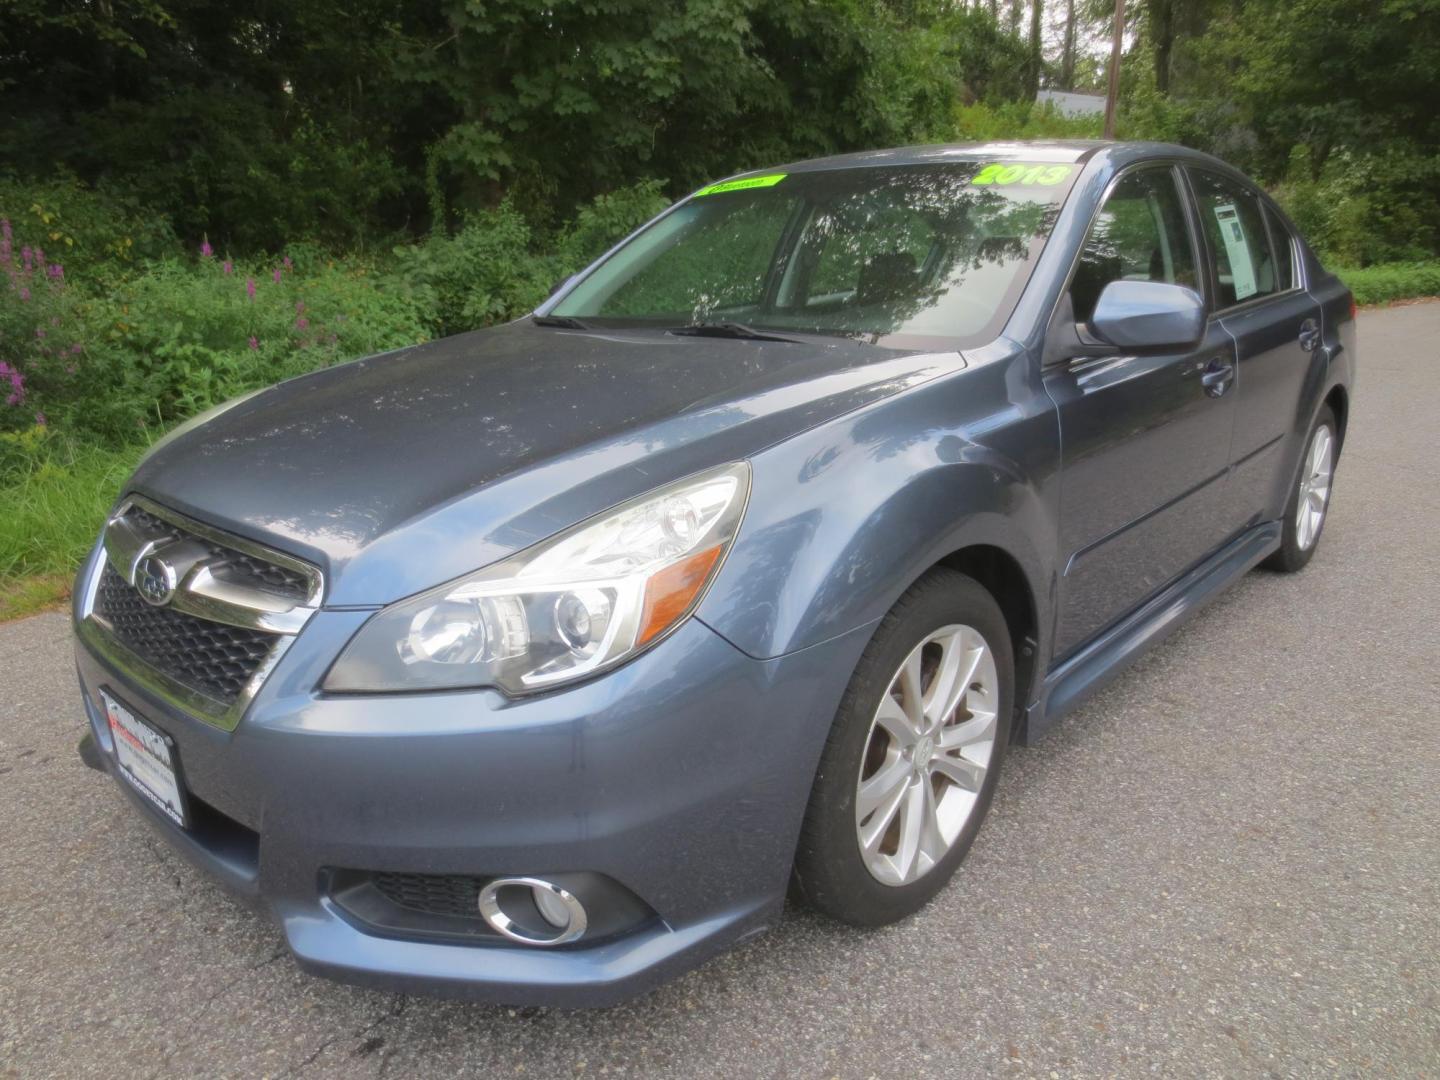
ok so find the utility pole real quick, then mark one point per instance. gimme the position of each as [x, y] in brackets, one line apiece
[1114, 92]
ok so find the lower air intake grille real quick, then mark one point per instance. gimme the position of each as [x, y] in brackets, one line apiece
[436, 894]
[209, 657]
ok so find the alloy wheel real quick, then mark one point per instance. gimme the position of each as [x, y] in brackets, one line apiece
[929, 747]
[1315, 477]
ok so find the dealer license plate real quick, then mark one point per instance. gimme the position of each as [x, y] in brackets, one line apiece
[147, 760]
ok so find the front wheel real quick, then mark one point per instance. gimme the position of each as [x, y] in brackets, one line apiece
[911, 764]
[1309, 498]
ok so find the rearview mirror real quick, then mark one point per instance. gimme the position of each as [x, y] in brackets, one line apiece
[1149, 315]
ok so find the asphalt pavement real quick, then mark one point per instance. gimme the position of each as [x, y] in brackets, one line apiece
[1227, 864]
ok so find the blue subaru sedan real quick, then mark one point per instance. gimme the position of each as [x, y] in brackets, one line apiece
[539, 664]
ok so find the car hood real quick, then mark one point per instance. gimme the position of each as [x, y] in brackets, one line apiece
[401, 471]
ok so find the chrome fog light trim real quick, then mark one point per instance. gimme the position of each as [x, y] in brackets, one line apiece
[532, 911]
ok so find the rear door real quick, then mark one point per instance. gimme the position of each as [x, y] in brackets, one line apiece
[1145, 438]
[1263, 304]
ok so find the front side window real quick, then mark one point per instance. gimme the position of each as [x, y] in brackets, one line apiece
[1139, 234]
[908, 255]
[1245, 264]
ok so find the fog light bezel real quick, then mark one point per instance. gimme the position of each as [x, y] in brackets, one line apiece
[492, 910]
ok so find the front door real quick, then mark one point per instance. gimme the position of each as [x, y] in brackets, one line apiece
[1145, 439]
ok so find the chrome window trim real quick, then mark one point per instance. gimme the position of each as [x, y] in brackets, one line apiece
[202, 596]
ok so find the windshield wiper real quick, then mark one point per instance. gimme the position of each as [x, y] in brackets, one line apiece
[729, 330]
[563, 322]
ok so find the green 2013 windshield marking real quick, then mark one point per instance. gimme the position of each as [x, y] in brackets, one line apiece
[741, 185]
[1002, 174]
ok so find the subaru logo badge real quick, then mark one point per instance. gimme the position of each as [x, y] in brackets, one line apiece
[155, 580]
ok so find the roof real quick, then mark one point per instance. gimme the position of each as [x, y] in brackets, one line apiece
[1056, 150]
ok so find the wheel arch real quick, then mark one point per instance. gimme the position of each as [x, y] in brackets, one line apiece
[1339, 401]
[1004, 578]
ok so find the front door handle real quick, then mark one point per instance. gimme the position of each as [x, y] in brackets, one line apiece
[1309, 335]
[1218, 376]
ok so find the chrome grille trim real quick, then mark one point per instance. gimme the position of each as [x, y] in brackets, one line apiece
[272, 593]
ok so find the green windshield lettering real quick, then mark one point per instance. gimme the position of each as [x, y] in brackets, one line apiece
[741, 185]
[1004, 174]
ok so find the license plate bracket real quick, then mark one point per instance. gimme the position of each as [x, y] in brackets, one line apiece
[147, 760]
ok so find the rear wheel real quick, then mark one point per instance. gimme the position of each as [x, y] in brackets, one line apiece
[909, 769]
[1309, 498]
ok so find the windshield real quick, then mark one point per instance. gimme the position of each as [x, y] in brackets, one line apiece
[918, 255]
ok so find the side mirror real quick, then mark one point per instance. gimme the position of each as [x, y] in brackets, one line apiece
[1149, 315]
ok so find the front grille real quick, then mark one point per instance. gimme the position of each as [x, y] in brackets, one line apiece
[226, 563]
[435, 894]
[209, 657]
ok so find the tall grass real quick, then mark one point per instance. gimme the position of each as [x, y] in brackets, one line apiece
[51, 510]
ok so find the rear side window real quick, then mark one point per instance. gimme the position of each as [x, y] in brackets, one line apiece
[1245, 263]
[1139, 235]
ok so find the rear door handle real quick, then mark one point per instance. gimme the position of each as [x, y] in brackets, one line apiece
[1309, 335]
[1218, 376]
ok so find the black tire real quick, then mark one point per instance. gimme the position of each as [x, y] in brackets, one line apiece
[830, 874]
[1291, 556]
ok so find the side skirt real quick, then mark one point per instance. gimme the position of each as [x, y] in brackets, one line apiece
[1112, 651]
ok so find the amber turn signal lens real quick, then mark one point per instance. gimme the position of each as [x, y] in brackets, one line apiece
[669, 594]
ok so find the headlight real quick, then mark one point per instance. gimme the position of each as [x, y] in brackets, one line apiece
[578, 603]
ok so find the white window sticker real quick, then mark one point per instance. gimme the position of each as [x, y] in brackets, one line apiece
[1242, 269]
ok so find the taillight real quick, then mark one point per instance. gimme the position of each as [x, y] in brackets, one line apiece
[1353, 308]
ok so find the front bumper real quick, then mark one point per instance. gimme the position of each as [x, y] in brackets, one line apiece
[682, 776]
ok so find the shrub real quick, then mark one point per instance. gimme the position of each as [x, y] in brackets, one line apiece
[87, 231]
[1392, 281]
[1379, 207]
[119, 346]
[498, 268]
[126, 361]
[982, 122]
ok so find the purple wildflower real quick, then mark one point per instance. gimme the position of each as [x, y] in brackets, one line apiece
[250, 288]
[301, 323]
[206, 251]
[229, 267]
[299, 306]
[40, 419]
[277, 275]
[254, 342]
[24, 294]
[39, 332]
[57, 272]
[27, 256]
[17, 383]
[75, 349]
[288, 264]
